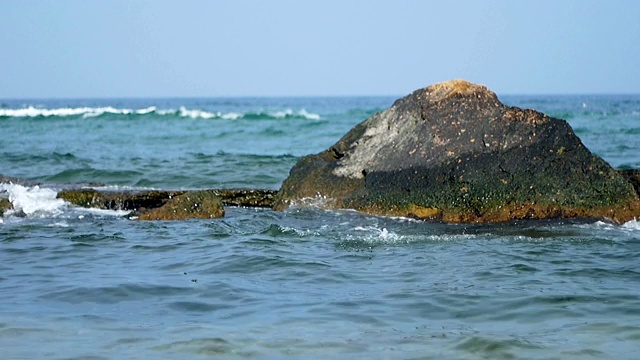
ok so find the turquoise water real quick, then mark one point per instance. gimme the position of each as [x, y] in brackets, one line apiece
[303, 283]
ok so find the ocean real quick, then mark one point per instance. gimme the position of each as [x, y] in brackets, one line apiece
[303, 283]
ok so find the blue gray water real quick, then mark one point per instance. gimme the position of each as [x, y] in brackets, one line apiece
[304, 283]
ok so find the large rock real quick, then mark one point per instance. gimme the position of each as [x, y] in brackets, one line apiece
[454, 152]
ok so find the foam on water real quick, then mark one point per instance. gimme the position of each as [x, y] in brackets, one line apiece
[182, 111]
[119, 188]
[61, 112]
[195, 114]
[632, 225]
[374, 235]
[103, 212]
[33, 200]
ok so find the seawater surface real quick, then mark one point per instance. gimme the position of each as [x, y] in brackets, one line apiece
[304, 283]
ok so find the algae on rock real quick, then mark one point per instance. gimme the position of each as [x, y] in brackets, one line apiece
[454, 152]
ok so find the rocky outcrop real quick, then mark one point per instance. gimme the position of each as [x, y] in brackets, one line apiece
[128, 200]
[453, 152]
[170, 205]
[190, 205]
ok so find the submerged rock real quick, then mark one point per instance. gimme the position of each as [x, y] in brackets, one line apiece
[5, 205]
[166, 205]
[136, 201]
[247, 197]
[190, 205]
[454, 152]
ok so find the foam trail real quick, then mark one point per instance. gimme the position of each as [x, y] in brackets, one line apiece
[377, 235]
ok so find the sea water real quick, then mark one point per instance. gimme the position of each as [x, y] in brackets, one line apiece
[303, 283]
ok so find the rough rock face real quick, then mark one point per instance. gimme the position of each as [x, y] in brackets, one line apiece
[454, 152]
[191, 205]
[633, 175]
[5, 205]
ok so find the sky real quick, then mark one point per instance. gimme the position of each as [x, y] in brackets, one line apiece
[189, 48]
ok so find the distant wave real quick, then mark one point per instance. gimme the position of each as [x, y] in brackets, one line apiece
[84, 111]
[182, 112]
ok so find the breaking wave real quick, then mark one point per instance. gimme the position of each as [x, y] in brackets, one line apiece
[181, 112]
[42, 202]
[32, 200]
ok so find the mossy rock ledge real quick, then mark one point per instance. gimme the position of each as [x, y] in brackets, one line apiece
[453, 152]
[170, 205]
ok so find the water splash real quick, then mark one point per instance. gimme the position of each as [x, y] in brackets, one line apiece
[632, 225]
[32, 201]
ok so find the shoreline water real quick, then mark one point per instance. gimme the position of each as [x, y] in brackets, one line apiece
[304, 283]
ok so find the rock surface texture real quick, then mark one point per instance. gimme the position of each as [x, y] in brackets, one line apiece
[5, 205]
[190, 205]
[453, 152]
[170, 205]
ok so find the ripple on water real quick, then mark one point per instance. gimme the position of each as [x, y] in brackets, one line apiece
[205, 346]
[496, 348]
[116, 294]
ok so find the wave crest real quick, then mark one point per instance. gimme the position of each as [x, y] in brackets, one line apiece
[181, 112]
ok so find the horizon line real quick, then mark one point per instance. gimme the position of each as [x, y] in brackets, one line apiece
[177, 97]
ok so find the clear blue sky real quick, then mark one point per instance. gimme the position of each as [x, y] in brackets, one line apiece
[157, 48]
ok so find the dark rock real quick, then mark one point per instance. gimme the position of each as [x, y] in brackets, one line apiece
[134, 200]
[5, 205]
[117, 200]
[633, 176]
[454, 152]
[190, 205]
[144, 203]
[247, 197]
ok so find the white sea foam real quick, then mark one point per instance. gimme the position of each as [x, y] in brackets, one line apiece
[33, 201]
[374, 234]
[629, 225]
[184, 112]
[230, 116]
[86, 112]
[197, 114]
[119, 188]
[103, 212]
[632, 225]
[290, 113]
[308, 115]
[300, 232]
